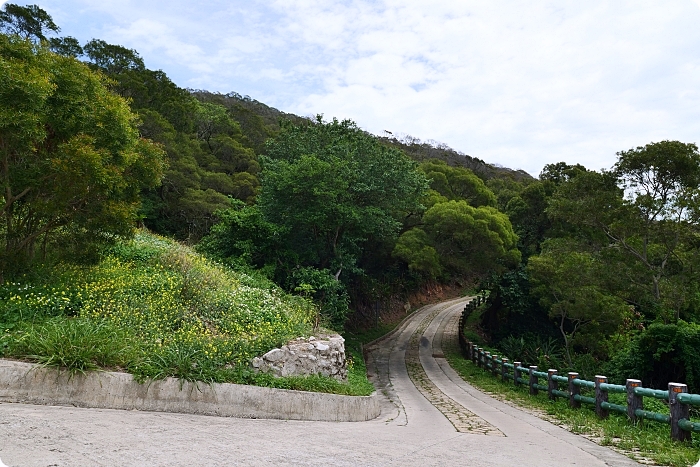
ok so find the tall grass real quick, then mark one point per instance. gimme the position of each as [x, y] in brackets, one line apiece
[157, 309]
[77, 344]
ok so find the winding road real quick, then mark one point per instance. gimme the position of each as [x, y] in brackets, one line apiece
[429, 417]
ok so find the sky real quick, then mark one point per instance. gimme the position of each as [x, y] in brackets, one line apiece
[519, 84]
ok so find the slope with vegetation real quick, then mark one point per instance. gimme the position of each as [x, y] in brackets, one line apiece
[316, 206]
[598, 268]
[610, 278]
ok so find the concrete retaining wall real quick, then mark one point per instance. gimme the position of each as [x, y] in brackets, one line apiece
[26, 383]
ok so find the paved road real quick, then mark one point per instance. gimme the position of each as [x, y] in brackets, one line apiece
[429, 417]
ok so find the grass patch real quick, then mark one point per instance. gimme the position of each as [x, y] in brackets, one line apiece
[645, 441]
[356, 339]
[78, 344]
[158, 309]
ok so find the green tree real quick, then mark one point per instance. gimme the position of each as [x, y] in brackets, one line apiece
[112, 58]
[332, 187]
[570, 284]
[243, 238]
[505, 189]
[467, 241]
[71, 160]
[68, 46]
[416, 249]
[457, 183]
[212, 120]
[527, 213]
[30, 22]
[645, 207]
[560, 172]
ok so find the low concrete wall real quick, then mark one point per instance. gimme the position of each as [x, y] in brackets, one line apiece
[26, 383]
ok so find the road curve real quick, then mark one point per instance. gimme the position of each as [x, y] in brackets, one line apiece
[429, 417]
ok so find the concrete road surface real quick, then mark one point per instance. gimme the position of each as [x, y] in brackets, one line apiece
[430, 417]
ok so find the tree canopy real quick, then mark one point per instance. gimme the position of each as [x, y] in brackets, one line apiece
[645, 210]
[71, 161]
[457, 183]
[28, 22]
[333, 187]
[458, 239]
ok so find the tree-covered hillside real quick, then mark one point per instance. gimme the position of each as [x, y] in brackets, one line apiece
[592, 270]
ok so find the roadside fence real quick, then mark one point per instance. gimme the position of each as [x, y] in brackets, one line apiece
[552, 383]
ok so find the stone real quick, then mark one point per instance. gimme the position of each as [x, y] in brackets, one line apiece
[324, 355]
[274, 355]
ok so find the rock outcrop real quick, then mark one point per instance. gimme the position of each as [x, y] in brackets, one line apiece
[324, 355]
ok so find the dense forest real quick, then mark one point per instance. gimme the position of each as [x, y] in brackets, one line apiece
[592, 270]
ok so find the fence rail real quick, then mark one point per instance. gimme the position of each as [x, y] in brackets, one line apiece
[677, 394]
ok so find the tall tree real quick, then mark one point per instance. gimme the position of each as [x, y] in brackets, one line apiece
[68, 46]
[28, 22]
[570, 283]
[71, 161]
[112, 58]
[333, 187]
[645, 207]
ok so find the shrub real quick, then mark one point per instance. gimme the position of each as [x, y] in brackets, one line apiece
[533, 350]
[77, 344]
[661, 354]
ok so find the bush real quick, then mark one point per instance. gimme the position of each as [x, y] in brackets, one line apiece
[532, 349]
[326, 290]
[661, 354]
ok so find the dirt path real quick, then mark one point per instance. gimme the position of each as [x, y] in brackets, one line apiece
[429, 417]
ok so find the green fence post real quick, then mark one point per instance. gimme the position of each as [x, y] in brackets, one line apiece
[516, 373]
[494, 365]
[634, 401]
[573, 391]
[552, 385]
[600, 397]
[678, 411]
[481, 357]
[504, 369]
[533, 380]
[487, 359]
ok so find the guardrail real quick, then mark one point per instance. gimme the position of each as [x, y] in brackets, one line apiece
[677, 394]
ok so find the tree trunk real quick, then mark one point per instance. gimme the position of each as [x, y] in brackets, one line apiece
[566, 341]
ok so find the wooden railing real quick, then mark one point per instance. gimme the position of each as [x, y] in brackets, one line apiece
[677, 394]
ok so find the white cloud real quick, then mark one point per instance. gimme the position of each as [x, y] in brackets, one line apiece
[522, 84]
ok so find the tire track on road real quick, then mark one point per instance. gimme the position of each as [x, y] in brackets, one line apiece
[461, 418]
